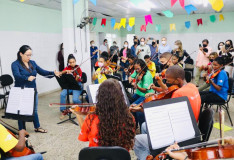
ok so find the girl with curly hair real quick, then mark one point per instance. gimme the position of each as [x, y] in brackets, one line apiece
[111, 124]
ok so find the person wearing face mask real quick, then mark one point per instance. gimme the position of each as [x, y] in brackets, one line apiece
[178, 50]
[114, 50]
[175, 75]
[202, 59]
[220, 48]
[104, 47]
[93, 54]
[142, 49]
[60, 58]
[103, 69]
[154, 52]
[228, 53]
[164, 47]
[134, 46]
[125, 52]
[208, 68]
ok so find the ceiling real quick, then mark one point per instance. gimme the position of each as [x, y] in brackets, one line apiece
[125, 8]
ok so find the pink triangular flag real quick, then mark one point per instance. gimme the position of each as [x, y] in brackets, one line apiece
[148, 19]
[174, 1]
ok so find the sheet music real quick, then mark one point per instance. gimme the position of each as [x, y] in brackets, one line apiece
[21, 100]
[93, 91]
[168, 124]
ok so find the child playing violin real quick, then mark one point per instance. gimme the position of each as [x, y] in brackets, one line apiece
[100, 73]
[208, 68]
[75, 70]
[218, 84]
[150, 65]
[111, 124]
[175, 60]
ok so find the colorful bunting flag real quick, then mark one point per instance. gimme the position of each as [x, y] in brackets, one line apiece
[172, 27]
[212, 18]
[148, 19]
[94, 2]
[129, 28]
[217, 5]
[174, 1]
[103, 22]
[158, 27]
[199, 21]
[117, 26]
[75, 1]
[168, 13]
[221, 18]
[94, 21]
[123, 22]
[143, 27]
[187, 24]
[190, 8]
[131, 21]
[112, 22]
[22, 0]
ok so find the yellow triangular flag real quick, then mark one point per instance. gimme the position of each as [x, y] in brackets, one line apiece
[225, 128]
[131, 21]
[123, 22]
[172, 27]
[117, 26]
[217, 5]
[221, 18]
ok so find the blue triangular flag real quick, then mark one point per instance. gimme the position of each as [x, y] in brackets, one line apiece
[129, 28]
[75, 1]
[187, 24]
[94, 2]
[112, 22]
[190, 8]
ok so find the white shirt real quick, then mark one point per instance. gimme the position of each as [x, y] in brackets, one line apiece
[103, 48]
[146, 51]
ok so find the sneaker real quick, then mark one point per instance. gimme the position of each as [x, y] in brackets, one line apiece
[62, 116]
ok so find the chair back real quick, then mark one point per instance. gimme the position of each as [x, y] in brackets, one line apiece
[206, 123]
[6, 80]
[188, 76]
[104, 153]
[230, 83]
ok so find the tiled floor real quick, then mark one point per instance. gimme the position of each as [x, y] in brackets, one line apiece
[61, 140]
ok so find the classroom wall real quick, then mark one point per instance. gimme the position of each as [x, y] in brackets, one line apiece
[38, 27]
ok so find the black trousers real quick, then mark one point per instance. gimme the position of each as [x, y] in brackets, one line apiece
[210, 97]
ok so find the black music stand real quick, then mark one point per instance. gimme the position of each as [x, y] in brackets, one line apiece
[68, 82]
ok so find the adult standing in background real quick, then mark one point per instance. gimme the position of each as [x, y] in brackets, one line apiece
[228, 53]
[154, 52]
[104, 47]
[220, 48]
[134, 46]
[114, 50]
[25, 71]
[125, 52]
[202, 59]
[179, 51]
[60, 57]
[142, 49]
[164, 47]
[93, 54]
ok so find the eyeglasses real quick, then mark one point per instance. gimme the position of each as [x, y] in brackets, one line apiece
[28, 55]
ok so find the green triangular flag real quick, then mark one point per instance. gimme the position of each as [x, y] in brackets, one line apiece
[212, 18]
[94, 21]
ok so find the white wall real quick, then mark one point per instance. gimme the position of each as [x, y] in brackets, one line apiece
[45, 48]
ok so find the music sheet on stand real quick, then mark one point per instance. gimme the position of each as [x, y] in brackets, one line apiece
[22, 100]
[93, 91]
[168, 124]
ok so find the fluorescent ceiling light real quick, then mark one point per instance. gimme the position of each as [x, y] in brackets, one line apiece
[144, 5]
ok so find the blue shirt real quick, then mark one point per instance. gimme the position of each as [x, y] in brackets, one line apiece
[92, 49]
[163, 49]
[153, 51]
[221, 80]
[133, 51]
[21, 74]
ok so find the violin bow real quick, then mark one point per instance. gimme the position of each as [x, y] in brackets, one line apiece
[66, 104]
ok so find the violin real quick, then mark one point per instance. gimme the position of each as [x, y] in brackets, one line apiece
[130, 69]
[162, 74]
[212, 75]
[84, 110]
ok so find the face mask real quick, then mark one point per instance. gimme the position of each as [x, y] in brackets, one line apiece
[211, 60]
[142, 43]
[204, 45]
[175, 46]
[164, 42]
[106, 44]
[227, 46]
[100, 64]
[135, 43]
[177, 52]
[114, 44]
[92, 44]
[153, 43]
[220, 47]
[125, 46]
